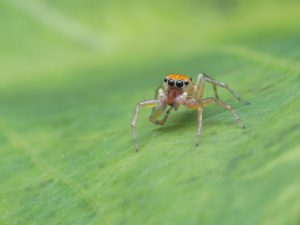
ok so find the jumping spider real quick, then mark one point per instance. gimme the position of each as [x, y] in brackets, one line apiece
[178, 89]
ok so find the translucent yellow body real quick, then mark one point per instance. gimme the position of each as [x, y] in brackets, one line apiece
[177, 90]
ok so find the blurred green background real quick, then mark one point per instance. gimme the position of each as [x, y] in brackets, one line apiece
[71, 74]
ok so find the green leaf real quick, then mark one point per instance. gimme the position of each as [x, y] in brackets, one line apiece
[72, 73]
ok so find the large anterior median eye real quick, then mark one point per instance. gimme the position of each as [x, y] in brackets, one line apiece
[179, 84]
[171, 83]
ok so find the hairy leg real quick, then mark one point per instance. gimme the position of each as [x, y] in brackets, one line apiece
[215, 91]
[216, 83]
[194, 104]
[224, 85]
[208, 101]
[157, 112]
[200, 113]
[147, 103]
[199, 86]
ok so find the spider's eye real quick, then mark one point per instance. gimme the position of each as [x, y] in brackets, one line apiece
[165, 80]
[186, 82]
[179, 84]
[171, 83]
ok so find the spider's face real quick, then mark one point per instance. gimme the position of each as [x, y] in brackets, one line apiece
[177, 81]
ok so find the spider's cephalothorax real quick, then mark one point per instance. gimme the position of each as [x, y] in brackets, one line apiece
[175, 85]
[178, 89]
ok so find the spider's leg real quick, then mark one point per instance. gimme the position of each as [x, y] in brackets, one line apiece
[208, 101]
[199, 86]
[223, 85]
[160, 109]
[157, 112]
[215, 91]
[200, 113]
[193, 103]
[146, 103]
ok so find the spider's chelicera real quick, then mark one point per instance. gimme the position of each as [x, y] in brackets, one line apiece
[178, 89]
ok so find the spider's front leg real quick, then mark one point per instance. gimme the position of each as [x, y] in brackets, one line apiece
[146, 103]
[157, 112]
[159, 106]
[192, 103]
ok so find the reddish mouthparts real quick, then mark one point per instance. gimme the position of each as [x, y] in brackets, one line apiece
[172, 94]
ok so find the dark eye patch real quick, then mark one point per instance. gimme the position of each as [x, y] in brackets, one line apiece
[179, 84]
[171, 83]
